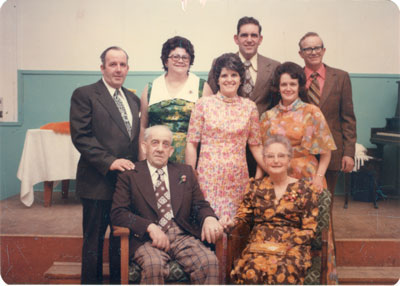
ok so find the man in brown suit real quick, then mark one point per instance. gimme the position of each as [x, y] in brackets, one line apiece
[162, 205]
[107, 139]
[260, 69]
[333, 87]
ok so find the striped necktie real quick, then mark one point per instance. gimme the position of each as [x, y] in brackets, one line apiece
[248, 84]
[314, 93]
[122, 110]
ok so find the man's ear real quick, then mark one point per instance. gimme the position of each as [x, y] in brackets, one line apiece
[143, 145]
[236, 39]
[171, 151]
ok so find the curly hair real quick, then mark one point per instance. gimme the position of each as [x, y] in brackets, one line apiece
[281, 139]
[296, 72]
[229, 61]
[173, 43]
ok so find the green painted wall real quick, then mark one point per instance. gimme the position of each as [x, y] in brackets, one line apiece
[44, 96]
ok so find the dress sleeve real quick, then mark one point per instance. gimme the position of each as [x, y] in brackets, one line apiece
[245, 210]
[254, 132]
[309, 216]
[196, 122]
[317, 135]
[264, 126]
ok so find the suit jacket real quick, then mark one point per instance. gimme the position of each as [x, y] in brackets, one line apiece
[135, 205]
[336, 103]
[266, 68]
[99, 134]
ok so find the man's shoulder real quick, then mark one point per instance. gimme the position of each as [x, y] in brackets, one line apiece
[266, 60]
[335, 70]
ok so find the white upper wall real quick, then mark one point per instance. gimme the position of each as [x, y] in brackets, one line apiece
[361, 36]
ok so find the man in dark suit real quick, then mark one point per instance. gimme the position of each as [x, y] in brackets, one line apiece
[104, 119]
[259, 72]
[162, 205]
[330, 89]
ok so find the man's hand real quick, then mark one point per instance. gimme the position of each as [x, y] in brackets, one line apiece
[347, 164]
[159, 238]
[211, 230]
[122, 165]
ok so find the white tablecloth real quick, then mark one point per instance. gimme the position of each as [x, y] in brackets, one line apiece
[47, 156]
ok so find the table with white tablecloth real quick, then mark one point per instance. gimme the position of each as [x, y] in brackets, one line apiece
[47, 156]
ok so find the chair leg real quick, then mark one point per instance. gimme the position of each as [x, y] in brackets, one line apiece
[64, 189]
[48, 193]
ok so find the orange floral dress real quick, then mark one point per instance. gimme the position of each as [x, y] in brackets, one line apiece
[279, 247]
[223, 126]
[306, 128]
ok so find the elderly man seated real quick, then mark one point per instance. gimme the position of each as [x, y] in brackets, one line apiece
[162, 205]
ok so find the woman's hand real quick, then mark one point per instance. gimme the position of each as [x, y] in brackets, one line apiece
[318, 182]
[226, 222]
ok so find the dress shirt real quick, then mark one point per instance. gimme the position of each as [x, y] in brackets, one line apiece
[253, 68]
[111, 90]
[321, 77]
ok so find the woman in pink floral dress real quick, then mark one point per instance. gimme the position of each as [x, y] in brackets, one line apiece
[223, 123]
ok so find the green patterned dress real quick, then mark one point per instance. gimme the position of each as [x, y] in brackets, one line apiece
[174, 112]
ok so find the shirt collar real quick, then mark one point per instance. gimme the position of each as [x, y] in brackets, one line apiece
[110, 89]
[253, 60]
[154, 169]
[321, 72]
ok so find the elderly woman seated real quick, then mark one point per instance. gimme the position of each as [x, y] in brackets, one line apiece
[282, 211]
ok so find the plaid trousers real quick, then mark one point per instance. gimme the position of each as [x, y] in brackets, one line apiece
[196, 259]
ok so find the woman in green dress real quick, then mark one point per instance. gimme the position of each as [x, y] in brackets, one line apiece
[169, 99]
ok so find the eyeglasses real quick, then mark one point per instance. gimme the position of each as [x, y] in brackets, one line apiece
[279, 156]
[177, 58]
[309, 51]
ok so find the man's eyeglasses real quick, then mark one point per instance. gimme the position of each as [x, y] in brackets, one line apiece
[279, 156]
[309, 51]
[177, 58]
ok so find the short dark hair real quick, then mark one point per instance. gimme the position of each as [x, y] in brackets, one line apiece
[104, 53]
[248, 20]
[296, 72]
[229, 61]
[173, 43]
[309, 34]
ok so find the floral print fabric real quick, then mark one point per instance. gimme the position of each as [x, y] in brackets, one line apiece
[306, 128]
[278, 251]
[223, 126]
[174, 112]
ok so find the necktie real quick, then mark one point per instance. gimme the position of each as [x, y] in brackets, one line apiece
[163, 201]
[122, 110]
[248, 84]
[314, 92]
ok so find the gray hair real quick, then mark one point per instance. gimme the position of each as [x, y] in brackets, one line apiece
[281, 140]
[103, 54]
[310, 34]
[149, 131]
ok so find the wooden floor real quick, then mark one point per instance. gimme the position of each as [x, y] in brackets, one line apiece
[33, 238]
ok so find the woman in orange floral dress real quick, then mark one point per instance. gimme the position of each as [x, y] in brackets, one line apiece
[282, 212]
[302, 123]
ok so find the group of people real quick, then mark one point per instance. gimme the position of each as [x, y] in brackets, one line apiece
[252, 116]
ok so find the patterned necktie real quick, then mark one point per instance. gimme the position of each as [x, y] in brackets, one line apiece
[163, 201]
[248, 84]
[122, 110]
[314, 92]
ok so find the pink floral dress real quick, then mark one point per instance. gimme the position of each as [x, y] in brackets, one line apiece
[223, 126]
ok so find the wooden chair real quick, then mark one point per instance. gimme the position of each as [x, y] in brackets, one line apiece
[130, 271]
[322, 247]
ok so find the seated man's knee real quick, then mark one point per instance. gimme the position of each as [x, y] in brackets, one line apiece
[154, 266]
